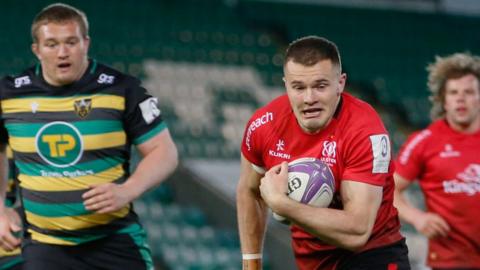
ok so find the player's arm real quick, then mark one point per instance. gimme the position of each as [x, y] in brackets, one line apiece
[429, 224]
[160, 158]
[349, 228]
[251, 215]
[7, 224]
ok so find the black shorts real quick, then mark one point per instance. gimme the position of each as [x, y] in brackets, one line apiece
[392, 257]
[119, 251]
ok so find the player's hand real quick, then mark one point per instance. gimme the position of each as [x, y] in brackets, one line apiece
[106, 198]
[432, 225]
[273, 185]
[9, 224]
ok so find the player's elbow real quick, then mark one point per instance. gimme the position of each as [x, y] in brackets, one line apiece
[246, 192]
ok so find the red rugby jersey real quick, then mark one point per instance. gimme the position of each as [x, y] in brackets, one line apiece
[355, 145]
[447, 166]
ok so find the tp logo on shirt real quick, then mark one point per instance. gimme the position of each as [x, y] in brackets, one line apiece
[59, 144]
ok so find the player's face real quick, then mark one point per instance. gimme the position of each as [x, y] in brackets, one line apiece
[62, 51]
[314, 92]
[462, 102]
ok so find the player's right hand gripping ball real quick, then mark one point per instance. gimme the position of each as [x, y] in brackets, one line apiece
[310, 181]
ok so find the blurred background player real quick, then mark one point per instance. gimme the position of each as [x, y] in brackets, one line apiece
[71, 122]
[445, 160]
[11, 260]
[317, 119]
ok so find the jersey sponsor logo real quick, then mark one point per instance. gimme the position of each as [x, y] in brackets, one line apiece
[83, 107]
[59, 144]
[72, 174]
[405, 155]
[150, 110]
[449, 152]
[105, 79]
[381, 153]
[329, 152]
[468, 181]
[280, 147]
[260, 121]
[21, 81]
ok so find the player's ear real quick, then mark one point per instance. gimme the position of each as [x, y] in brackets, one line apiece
[342, 80]
[35, 50]
[87, 42]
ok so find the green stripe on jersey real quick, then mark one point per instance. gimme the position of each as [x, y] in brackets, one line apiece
[55, 210]
[94, 167]
[145, 137]
[80, 239]
[85, 128]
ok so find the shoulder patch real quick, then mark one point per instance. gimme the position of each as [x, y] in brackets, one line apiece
[21, 81]
[381, 153]
[149, 109]
[105, 79]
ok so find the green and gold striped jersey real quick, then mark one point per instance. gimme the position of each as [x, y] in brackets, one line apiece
[66, 139]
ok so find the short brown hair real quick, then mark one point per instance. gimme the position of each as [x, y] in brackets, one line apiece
[445, 68]
[59, 13]
[310, 50]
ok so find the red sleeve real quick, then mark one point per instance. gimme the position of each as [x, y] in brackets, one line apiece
[252, 141]
[409, 163]
[367, 154]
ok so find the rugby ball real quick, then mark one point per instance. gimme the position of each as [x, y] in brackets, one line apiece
[310, 181]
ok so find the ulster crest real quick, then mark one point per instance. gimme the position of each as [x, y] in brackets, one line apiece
[83, 107]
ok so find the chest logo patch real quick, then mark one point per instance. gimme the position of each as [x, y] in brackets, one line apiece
[59, 144]
[280, 150]
[83, 107]
[449, 152]
[329, 153]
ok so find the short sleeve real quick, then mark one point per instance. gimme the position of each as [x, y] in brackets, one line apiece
[409, 163]
[367, 155]
[143, 119]
[252, 141]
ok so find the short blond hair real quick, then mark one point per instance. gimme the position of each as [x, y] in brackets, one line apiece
[445, 68]
[59, 13]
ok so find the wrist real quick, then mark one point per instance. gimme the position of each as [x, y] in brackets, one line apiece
[252, 261]
[279, 203]
[133, 189]
[251, 256]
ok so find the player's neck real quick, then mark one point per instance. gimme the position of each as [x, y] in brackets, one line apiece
[469, 128]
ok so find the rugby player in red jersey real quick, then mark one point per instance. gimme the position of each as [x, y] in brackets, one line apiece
[360, 229]
[445, 160]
